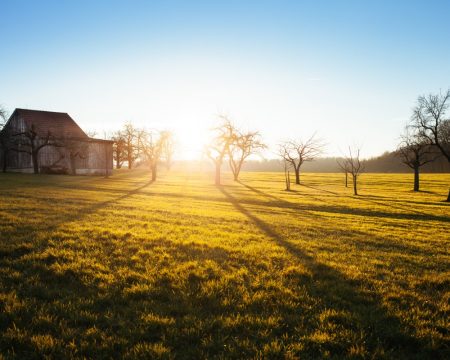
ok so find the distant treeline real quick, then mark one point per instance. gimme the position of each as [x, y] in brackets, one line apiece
[389, 162]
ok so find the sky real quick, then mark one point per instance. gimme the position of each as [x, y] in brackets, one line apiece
[351, 71]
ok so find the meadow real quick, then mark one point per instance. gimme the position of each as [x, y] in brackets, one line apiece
[179, 268]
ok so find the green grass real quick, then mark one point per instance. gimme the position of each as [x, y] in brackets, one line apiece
[120, 267]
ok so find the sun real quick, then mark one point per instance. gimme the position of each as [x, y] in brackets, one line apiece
[191, 141]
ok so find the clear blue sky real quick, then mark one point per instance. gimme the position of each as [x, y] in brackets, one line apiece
[350, 70]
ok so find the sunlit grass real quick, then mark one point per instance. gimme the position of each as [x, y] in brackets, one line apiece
[121, 267]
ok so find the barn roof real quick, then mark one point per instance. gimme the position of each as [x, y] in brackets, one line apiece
[60, 125]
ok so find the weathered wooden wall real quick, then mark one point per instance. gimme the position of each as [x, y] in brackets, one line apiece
[97, 160]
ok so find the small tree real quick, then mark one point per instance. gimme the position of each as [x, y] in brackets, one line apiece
[152, 144]
[415, 153]
[354, 165]
[30, 142]
[344, 168]
[218, 148]
[119, 149]
[132, 143]
[430, 121]
[76, 149]
[3, 117]
[241, 147]
[297, 152]
[287, 177]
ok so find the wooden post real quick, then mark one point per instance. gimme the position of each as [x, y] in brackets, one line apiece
[106, 160]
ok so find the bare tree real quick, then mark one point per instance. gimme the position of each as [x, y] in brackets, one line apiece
[30, 142]
[75, 149]
[432, 125]
[241, 147]
[218, 148]
[297, 152]
[152, 144]
[355, 167]
[287, 176]
[344, 168]
[415, 153]
[119, 149]
[444, 133]
[132, 140]
[3, 116]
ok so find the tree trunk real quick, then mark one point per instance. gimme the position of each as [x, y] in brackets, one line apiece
[237, 170]
[154, 172]
[129, 159]
[106, 162]
[236, 174]
[355, 190]
[346, 179]
[34, 159]
[288, 182]
[129, 154]
[416, 178]
[217, 179]
[234, 169]
[297, 176]
[448, 197]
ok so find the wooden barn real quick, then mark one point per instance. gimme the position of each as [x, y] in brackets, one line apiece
[51, 142]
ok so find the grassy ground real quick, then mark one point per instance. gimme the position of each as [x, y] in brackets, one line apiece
[179, 268]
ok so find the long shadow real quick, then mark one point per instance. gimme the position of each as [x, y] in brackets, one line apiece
[273, 201]
[418, 215]
[341, 209]
[375, 242]
[52, 224]
[338, 292]
[129, 193]
[369, 198]
[429, 204]
[323, 190]
[283, 204]
[259, 192]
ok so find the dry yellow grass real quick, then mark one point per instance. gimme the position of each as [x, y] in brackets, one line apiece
[179, 268]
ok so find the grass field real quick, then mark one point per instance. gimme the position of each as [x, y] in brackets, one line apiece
[120, 267]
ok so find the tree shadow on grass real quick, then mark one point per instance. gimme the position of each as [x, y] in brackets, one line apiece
[337, 209]
[382, 332]
[369, 240]
[323, 190]
[411, 215]
[102, 204]
[29, 232]
[259, 192]
[370, 199]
